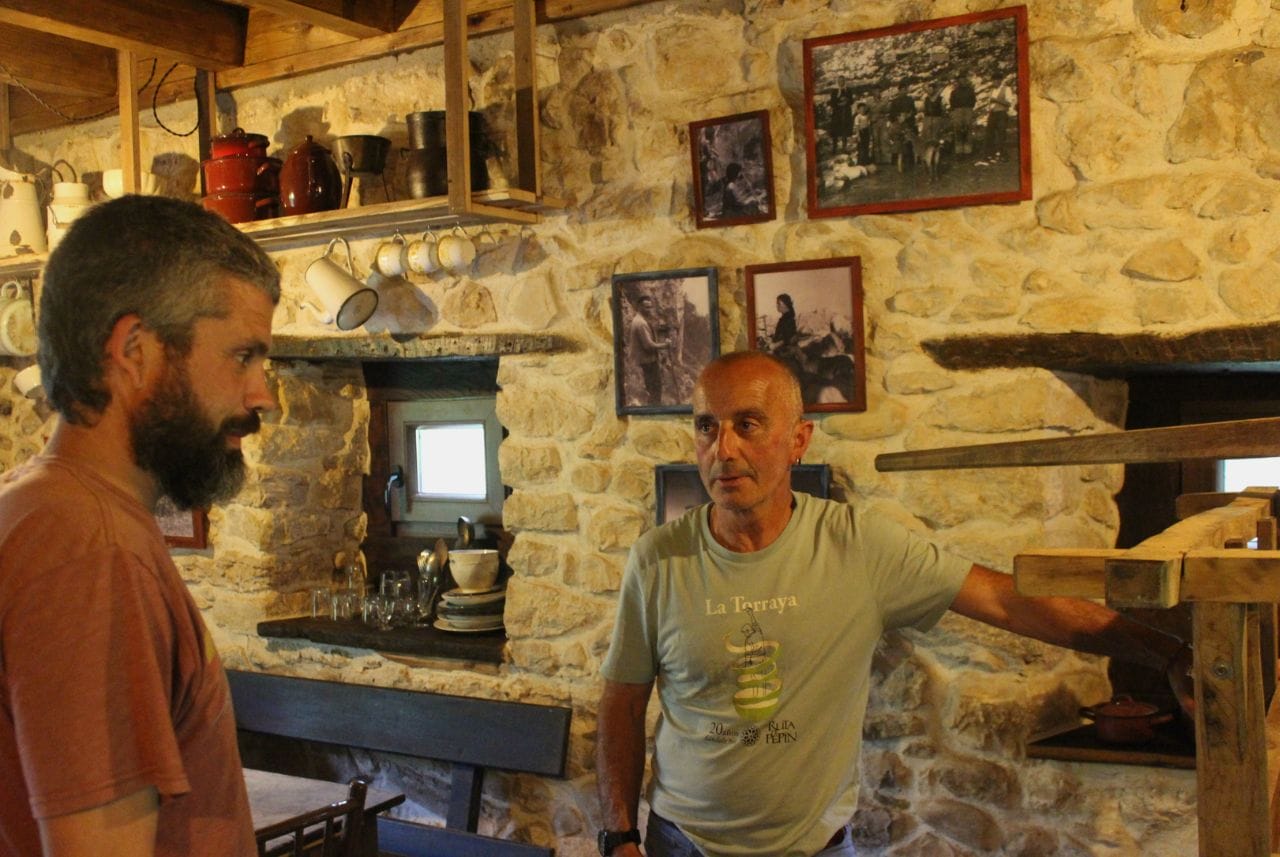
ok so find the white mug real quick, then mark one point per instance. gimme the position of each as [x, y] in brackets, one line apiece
[456, 251]
[29, 383]
[421, 255]
[17, 321]
[389, 259]
[344, 299]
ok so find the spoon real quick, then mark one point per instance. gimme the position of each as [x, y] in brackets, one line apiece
[442, 558]
[466, 532]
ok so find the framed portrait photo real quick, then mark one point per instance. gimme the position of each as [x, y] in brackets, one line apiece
[182, 529]
[930, 114]
[678, 487]
[732, 170]
[809, 315]
[666, 327]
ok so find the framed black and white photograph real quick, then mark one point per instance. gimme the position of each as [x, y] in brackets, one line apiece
[666, 327]
[930, 114]
[182, 529]
[809, 315]
[678, 487]
[732, 170]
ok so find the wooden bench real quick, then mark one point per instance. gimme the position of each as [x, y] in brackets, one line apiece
[470, 735]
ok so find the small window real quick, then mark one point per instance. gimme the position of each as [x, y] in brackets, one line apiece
[447, 452]
[1237, 474]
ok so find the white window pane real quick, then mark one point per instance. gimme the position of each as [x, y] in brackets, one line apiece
[451, 461]
[1241, 473]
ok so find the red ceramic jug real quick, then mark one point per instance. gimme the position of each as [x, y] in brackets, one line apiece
[309, 180]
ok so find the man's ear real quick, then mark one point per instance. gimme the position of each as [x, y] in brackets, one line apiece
[131, 352]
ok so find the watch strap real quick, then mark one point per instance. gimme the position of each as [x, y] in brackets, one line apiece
[608, 840]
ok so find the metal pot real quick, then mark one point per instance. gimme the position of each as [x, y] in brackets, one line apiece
[1124, 720]
[362, 153]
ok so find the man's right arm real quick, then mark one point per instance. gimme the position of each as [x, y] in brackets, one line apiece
[122, 828]
[620, 746]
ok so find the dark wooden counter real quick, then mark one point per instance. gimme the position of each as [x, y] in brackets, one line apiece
[484, 647]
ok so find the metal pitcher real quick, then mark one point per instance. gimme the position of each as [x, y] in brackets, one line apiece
[21, 224]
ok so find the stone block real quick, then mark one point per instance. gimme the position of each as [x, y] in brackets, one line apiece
[978, 780]
[591, 477]
[1250, 292]
[534, 556]
[913, 374]
[529, 510]
[614, 528]
[964, 823]
[542, 413]
[532, 463]
[665, 442]
[469, 305]
[1162, 261]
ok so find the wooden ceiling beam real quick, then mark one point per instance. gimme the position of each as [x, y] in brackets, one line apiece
[202, 33]
[47, 63]
[359, 20]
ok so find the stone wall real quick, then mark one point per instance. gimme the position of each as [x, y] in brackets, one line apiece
[1156, 153]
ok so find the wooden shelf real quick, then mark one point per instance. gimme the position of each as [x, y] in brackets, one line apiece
[407, 216]
[366, 221]
[485, 647]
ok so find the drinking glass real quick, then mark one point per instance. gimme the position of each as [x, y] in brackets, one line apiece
[321, 603]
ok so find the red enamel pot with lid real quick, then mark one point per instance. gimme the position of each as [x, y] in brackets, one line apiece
[238, 144]
[1125, 720]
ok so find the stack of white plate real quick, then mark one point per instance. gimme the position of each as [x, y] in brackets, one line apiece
[471, 612]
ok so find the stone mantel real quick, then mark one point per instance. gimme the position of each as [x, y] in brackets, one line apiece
[417, 346]
[1244, 348]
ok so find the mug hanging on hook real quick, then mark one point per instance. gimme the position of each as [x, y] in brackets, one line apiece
[345, 301]
[456, 251]
[389, 258]
[422, 255]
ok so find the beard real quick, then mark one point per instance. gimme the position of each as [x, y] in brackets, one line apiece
[181, 447]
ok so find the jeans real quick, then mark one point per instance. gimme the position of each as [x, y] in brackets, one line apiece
[663, 839]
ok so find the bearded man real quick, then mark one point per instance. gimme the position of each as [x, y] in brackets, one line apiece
[116, 730]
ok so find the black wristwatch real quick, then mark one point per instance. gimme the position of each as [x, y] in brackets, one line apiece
[607, 840]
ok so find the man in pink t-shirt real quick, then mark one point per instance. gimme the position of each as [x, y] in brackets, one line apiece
[116, 730]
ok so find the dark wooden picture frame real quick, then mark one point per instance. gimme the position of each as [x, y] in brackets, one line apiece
[182, 529]
[930, 114]
[678, 487]
[809, 315]
[673, 317]
[732, 170]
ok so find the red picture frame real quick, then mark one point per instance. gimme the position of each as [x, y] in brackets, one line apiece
[923, 115]
[732, 170]
[182, 529]
[823, 341]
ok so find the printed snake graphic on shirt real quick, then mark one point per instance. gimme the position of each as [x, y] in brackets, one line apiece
[756, 665]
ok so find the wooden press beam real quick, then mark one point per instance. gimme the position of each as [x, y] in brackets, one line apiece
[1182, 563]
[1258, 438]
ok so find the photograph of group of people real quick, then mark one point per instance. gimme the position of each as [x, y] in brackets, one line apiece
[920, 117]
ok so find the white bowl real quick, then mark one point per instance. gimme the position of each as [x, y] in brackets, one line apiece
[474, 569]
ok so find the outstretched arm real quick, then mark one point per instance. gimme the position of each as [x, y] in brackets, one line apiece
[620, 756]
[989, 596]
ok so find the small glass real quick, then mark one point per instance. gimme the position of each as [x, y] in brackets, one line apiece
[321, 603]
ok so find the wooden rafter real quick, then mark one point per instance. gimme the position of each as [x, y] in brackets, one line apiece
[48, 63]
[359, 20]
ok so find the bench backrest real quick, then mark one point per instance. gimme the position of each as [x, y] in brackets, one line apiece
[484, 733]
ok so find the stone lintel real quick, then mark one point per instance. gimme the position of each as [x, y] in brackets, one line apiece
[1252, 348]
[418, 347]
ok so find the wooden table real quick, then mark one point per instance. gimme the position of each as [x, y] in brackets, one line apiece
[277, 797]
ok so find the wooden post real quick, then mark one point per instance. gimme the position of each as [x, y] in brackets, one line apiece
[457, 130]
[6, 132]
[528, 132]
[206, 117]
[127, 92]
[1233, 804]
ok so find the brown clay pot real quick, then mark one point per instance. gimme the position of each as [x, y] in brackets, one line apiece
[1124, 720]
[309, 180]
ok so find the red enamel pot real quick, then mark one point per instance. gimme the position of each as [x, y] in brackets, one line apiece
[1125, 720]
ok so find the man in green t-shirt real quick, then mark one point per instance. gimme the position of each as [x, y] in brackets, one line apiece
[756, 617]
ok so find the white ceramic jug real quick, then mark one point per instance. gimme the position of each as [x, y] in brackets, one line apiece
[21, 226]
[70, 200]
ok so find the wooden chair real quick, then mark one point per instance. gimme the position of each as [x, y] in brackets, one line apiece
[331, 831]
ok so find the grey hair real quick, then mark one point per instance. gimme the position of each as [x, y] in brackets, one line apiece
[165, 260]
